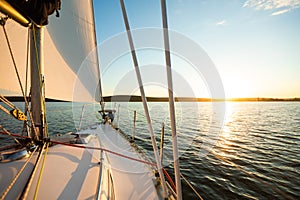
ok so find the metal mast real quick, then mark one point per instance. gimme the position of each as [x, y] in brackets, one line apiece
[37, 82]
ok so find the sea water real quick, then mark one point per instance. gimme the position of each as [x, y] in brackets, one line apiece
[252, 150]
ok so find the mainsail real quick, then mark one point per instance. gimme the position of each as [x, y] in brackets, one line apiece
[69, 67]
[70, 55]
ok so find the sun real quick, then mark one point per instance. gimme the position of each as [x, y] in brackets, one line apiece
[237, 87]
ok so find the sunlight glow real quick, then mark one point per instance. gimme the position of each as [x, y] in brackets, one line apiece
[237, 87]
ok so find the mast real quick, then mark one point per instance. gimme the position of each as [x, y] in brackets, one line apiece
[37, 81]
[171, 100]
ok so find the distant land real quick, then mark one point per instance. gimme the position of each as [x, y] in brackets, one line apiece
[125, 98]
[128, 98]
[21, 99]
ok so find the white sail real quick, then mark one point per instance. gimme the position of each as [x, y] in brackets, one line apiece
[70, 56]
[93, 162]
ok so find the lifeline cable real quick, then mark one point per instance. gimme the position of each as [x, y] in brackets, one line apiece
[106, 150]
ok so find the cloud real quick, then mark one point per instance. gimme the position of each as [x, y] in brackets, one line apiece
[221, 23]
[280, 12]
[278, 6]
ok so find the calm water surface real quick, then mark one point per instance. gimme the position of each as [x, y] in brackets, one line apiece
[254, 155]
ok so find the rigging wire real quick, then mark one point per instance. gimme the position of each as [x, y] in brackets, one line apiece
[4, 110]
[186, 180]
[8, 103]
[171, 99]
[16, 70]
[142, 91]
[14, 62]
[15, 112]
[25, 192]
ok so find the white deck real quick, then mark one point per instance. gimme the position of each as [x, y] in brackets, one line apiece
[72, 173]
[132, 179]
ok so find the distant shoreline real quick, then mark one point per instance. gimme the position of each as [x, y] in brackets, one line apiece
[127, 98]
[21, 99]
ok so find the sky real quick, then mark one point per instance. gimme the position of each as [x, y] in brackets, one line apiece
[253, 44]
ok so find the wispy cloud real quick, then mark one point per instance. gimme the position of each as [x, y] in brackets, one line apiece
[280, 12]
[221, 23]
[278, 6]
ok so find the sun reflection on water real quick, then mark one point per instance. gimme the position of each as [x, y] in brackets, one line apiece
[227, 121]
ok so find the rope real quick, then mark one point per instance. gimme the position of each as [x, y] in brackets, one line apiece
[14, 62]
[8, 103]
[16, 112]
[17, 73]
[4, 110]
[41, 173]
[6, 191]
[191, 186]
[94, 148]
[26, 189]
[8, 133]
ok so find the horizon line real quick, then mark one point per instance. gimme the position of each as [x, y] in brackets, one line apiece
[135, 98]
